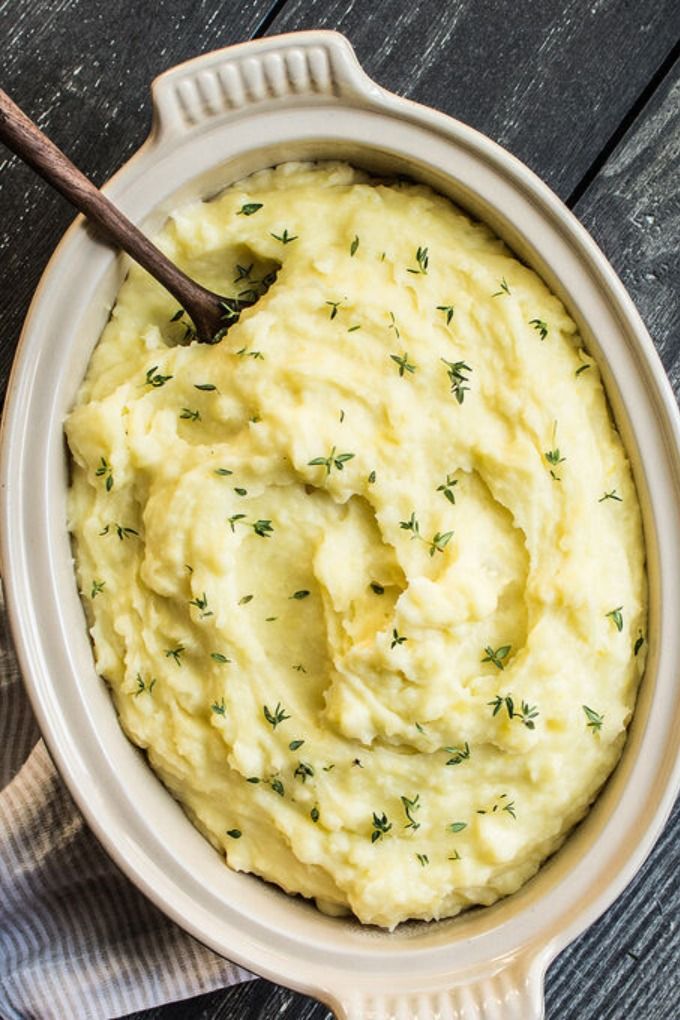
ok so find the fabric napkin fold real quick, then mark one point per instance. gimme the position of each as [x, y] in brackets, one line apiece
[77, 939]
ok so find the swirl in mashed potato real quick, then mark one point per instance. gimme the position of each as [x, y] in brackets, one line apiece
[366, 578]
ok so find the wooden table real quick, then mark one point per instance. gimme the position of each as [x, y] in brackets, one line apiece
[587, 92]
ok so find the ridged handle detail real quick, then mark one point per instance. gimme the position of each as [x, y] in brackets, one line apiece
[508, 995]
[281, 68]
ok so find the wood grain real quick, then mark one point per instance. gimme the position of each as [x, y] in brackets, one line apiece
[553, 80]
[632, 210]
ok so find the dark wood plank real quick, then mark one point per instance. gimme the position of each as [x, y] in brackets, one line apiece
[632, 209]
[551, 80]
[82, 70]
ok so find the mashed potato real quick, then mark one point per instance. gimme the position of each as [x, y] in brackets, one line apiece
[366, 578]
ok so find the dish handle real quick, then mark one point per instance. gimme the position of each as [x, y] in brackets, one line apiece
[514, 992]
[276, 70]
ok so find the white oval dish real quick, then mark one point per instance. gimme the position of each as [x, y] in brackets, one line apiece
[218, 118]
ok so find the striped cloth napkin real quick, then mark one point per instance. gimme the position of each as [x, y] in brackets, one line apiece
[76, 937]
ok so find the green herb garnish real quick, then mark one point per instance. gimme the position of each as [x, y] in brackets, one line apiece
[299, 595]
[404, 364]
[219, 657]
[422, 260]
[249, 208]
[617, 617]
[155, 379]
[456, 372]
[219, 708]
[553, 456]
[276, 717]
[610, 495]
[595, 720]
[393, 325]
[411, 805]
[504, 289]
[458, 754]
[354, 246]
[540, 327]
[285, 237]
[331, 461]
[457, 826]
[525, 715]
[201, 603]
[97, 588]
[397, 638]
[175, 653]
[497, 656]
[105, 471]
[380, 826]
[119, 530]
[448, 311]
[189, 415]
[144, 687]
[447, 488]
[304, 771]
[234, 833]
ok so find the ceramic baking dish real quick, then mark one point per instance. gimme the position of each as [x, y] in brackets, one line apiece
[216, 119]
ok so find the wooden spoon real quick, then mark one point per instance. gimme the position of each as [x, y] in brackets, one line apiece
[211, 313]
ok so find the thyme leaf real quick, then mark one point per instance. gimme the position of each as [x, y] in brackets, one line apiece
[616, 616]
[458, 754]
[497, 656]
[456, 370]
[422, 261]
[201, 603]
[333, 460]
[594, 718]
[276, 717]
[403, 363]
[175, 653]
[447, 488]
[411, 805]
[249, 208]
[155, 379]
[381, 826]
[285, 237]
[540, 326]
[105, 471]
[304, 771]
[397, 638]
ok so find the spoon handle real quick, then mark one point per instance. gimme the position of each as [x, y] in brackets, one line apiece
[23, 137]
